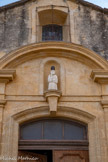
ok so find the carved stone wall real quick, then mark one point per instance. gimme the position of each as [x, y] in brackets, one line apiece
[83, 74]
[84, 87]
[19, 24]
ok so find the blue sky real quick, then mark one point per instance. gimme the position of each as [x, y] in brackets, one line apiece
[102, 3]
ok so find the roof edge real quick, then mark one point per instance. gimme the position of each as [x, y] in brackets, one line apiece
[94, 6]
[85, 3]
[12, 5]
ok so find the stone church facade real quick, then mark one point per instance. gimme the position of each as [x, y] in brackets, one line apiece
[69, 124]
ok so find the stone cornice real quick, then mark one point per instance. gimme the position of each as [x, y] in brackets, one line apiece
[104, 103]
[2, 103]
[7, 75]
[100, 76]
[52, 93]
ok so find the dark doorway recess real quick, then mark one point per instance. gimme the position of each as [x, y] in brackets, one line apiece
[37, 153]
[47, 153]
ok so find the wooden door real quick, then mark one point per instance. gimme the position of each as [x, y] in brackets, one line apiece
[70, 156]
[25, 156]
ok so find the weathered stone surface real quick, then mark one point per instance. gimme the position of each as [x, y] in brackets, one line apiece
[83, 99]
[92, 28]
[13, 28]
[89, 25]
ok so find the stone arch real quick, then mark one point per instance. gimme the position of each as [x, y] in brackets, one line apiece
[39, 113]
[53, 49]
[43, 111]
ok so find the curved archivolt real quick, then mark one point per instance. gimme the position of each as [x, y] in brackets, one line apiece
[53, 49]
[43, 112]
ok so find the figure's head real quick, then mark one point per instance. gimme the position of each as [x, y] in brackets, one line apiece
[52, 70]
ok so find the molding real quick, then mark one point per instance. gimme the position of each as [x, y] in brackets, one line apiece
[53, 144]
[43, 112]
[2, 103]
[104, 103]
[52, 93]
[63, 98]
[7, 75]
[100, 76]
[53, 49]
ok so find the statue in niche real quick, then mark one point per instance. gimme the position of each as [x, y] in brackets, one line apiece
[52, 79]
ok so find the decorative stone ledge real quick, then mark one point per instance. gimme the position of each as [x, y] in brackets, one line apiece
[100, 76]
[104, 103]
[52, 98]
[7, 75]
[2, 103]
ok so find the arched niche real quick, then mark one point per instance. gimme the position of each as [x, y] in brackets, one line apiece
[47, 69]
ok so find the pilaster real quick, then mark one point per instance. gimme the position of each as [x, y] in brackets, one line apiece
[101, 77]
[2, 105]
[105, 107]
[5, 77]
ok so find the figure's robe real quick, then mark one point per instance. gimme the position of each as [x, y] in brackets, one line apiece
[52, 80]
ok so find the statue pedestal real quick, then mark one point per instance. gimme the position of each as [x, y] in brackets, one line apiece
[52, 97]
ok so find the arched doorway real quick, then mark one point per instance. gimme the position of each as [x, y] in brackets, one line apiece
[53, 140]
